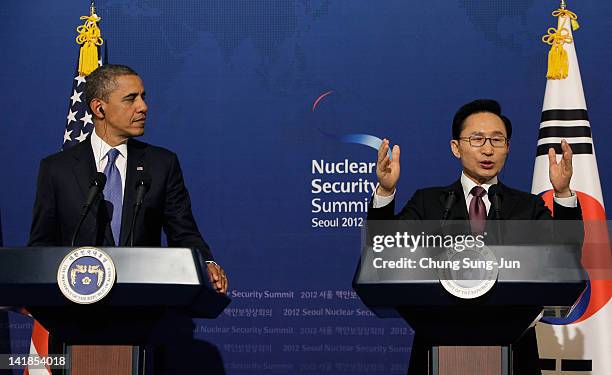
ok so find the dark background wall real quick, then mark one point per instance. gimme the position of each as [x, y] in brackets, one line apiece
[230, 87]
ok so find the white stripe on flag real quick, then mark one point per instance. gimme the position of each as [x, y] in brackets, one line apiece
[36, 371]
[569, 123]
[570, 140]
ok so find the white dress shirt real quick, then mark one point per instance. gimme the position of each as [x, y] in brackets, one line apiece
[379, 201]
[101, 148]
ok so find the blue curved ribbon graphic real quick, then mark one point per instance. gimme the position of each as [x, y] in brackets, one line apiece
[360, 139]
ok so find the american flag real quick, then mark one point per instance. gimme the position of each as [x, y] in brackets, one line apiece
[79, 123]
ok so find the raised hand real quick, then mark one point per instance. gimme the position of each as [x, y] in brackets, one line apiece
[560, 173]
[387, 169]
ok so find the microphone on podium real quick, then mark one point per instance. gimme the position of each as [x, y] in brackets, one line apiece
[448, 204]
[96, 186]
[495, 197]
[142, 186]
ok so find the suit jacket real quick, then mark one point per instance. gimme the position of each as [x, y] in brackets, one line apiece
[428, 204]
[63, 183]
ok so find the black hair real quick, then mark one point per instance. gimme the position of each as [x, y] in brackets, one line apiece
[101, 82]
[479, 106]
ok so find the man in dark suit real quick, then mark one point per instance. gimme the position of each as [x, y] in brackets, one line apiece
[116, 97]
[481, 141]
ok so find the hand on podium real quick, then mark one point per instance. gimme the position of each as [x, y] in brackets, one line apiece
[217, 277]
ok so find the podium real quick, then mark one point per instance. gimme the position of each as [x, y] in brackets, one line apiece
[150, 282]
[475, 336]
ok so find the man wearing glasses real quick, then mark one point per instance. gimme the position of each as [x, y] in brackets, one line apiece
[481, 141]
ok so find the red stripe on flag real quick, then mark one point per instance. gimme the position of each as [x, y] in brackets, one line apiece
[40, 342]
[596, 253]
[591, 208]
[40, 338]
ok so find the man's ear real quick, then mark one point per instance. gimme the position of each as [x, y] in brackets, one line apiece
[97, 107]
[454, 144]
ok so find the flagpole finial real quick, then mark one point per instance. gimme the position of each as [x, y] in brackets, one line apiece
[92, 8]
[562, 6]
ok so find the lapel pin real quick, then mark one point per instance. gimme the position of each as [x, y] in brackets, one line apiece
[140, 168]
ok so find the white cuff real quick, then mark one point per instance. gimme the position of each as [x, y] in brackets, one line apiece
[379, 201]
[571, 202]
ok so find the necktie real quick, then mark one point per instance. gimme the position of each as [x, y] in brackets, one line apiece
[113, 193]
[478, 210]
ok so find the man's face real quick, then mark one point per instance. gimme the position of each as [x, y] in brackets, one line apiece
[125, 110]
[482, 163]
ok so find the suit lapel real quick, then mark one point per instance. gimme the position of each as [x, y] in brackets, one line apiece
[84, 166]
[509, 200]
[136, 152]
[459, 210]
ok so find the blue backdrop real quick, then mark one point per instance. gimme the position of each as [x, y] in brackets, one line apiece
[231, 86]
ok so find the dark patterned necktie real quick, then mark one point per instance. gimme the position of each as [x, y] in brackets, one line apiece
[478, 210]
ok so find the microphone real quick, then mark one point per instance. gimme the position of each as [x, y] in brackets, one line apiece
[142, 186]
[448, 203]
[95, 187]
[495, 196]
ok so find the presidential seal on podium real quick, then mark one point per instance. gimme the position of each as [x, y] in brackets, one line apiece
[473, 274]
[86, 275]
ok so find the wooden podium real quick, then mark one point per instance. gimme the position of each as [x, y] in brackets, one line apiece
[109, 336]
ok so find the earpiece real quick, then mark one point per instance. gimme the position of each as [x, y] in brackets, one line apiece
[102, 111]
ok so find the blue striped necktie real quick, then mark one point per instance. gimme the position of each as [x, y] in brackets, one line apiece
[113, 192]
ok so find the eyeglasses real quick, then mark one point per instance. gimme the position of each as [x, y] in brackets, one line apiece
[498, 141]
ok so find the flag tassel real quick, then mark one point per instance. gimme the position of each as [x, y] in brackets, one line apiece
[89, 39]
[558, 63]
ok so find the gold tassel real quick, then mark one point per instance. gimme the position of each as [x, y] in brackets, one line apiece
[558, 62]
[569, 14]
[89, 39]
[575, 25]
